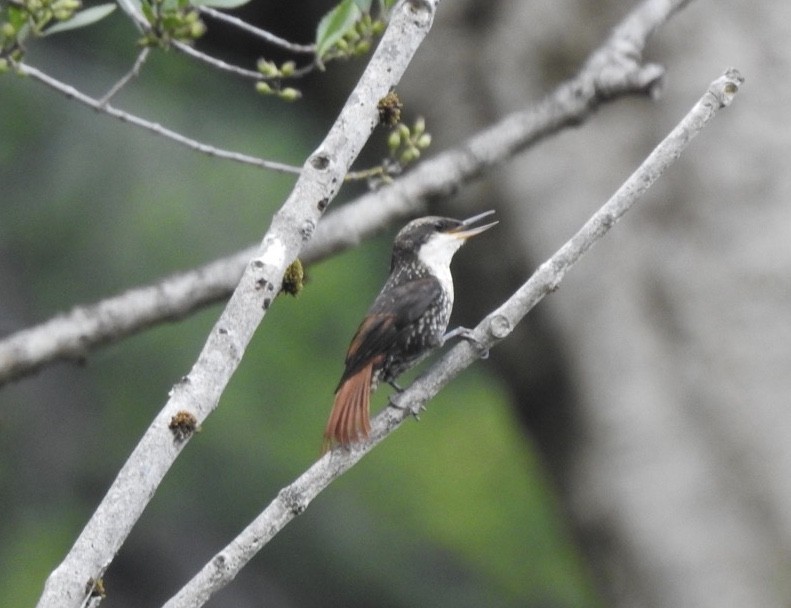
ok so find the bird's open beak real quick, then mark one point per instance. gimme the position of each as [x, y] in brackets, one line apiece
[463, 231]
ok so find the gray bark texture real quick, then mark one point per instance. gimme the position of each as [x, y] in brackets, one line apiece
[656, 382]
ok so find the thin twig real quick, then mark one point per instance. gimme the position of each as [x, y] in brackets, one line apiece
[72, 93]
[234, 69]
[133, 73]
[295, 498]
[216, 63]
[263, 34]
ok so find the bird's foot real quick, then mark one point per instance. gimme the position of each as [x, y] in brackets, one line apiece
[467, 334]
[394, 403]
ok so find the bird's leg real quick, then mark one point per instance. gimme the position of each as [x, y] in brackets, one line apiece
[395, 385]
[466, 334]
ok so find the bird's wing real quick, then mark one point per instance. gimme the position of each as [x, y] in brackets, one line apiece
[383, 326]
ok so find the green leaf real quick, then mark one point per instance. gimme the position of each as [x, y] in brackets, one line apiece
[134, 9]
[335, 24]
[148, 12]
[219, 3]
[81, 19]
[364, 5]
[17, 17]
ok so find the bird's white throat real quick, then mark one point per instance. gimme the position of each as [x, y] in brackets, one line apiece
[436, 254]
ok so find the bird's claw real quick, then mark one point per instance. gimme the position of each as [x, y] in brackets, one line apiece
[467, 334]
[414, 411]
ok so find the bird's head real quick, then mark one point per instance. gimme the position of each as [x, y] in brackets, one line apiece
[434, 240]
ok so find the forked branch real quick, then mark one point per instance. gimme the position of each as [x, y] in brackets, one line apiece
[612, 71]
[197, 394]
[295, 498]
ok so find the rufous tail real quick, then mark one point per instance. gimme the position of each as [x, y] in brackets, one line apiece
[349, 418]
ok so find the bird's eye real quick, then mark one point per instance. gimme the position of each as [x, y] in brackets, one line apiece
[439, 225]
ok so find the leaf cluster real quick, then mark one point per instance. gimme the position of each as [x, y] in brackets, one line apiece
[349, 29]
[274, 75]
[20, 19]
[404, 144]
[170, 20]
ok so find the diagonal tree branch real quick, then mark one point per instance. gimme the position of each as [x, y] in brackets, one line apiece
[295, 498]
[612, 71]
[196, 395]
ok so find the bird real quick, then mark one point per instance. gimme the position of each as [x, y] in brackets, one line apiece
[407, 320]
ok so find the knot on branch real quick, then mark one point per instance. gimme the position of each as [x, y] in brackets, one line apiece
[320, 162]
[220, 562]
[500, 327]
[618, 68]
[420, 8]
[618, 78]
[293, 500]
[726, 86]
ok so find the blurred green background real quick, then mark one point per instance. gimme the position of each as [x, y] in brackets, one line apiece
[452, 511]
